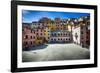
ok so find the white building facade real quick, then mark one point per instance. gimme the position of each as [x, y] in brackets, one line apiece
[76, 35]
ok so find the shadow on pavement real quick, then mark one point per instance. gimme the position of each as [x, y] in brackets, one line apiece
[35, 47]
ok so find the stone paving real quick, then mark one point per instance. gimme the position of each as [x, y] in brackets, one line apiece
[53, 52]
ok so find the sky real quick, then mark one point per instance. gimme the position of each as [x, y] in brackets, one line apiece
[28, 16]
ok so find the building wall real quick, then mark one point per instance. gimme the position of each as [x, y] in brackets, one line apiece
[85, 36]
[71, 30]
[39, 32]
[47, 33]
[60, 36]
[60, 39]
[53, 27]
[28, 38]
[34, 25]
[74, 31]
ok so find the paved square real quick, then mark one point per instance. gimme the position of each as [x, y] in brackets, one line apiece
[53, 52]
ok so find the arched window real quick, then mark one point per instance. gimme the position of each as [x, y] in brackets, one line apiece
[58, 34]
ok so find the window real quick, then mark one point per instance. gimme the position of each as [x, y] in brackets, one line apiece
[25, 43]
[31, 42]
[86, 27]
[22, 29]
[58, 34]
[82, 38]
[69, 34]
[87, 37]
[31, 37]
[34, 31]
[41, 33]
[54, 39]
[34, 37]
[55, 34]
[26, 36]
[81, 27]
[87, 42]
[51, 34]
[88, 23]
[64, 39]
[81, 32]
[87, 32]
[39, 42]
[61, 34]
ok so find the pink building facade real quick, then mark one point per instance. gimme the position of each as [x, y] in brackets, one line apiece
[28, 37]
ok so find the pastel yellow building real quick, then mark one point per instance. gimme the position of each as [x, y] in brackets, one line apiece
[53, 27]
[47, 33]
[69, 27]
[38, 41]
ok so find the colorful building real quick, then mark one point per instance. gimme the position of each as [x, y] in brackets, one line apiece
[47, 33]
[28, 37]
[60, 36]
[45, 30]
[81, 32]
